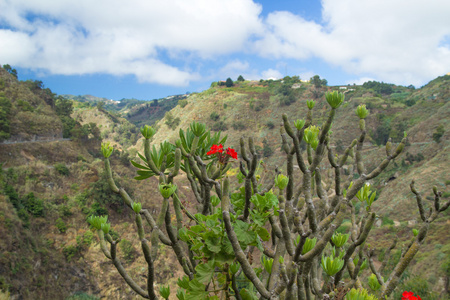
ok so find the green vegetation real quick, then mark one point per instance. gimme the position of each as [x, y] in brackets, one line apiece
[36, 200]
[379, 87]
[172, 121]
[229, 222]
[5, 110]
[438, 133]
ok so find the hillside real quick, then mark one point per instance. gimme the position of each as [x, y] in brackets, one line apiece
[138, 112]
[47, 250]
[255, 109]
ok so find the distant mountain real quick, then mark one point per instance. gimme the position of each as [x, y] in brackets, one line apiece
[138, 112]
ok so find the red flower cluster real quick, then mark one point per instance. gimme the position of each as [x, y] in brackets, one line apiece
[410, 296]
[223, 157]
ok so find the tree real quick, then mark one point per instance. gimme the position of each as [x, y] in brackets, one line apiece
[217, 243]
[10, 70]
[229, 82]
[240, 78]
[63, 106]
[316, 81]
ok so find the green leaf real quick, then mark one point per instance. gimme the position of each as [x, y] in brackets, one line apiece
[227, 247]
[183, 282]
[213, 244]
[247, 295]
[204, 272]
[139, 165]
[197, 246]
[263, 233]
[243, 233]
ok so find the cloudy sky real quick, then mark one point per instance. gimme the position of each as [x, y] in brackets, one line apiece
[148, 49]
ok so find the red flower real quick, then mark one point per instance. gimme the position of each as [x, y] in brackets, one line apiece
[410, 296]
[231, 152]
[215, 149]
[223, 157]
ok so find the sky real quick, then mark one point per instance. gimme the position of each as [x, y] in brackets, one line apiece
[148, 49]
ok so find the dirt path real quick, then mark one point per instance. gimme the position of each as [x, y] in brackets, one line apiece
[38, 141]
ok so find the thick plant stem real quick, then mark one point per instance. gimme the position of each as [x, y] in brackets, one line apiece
[242, 259]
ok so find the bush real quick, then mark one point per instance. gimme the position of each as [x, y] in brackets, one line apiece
[438, 133]
[257, 105]
[214, 116]
[34, 205]
[65, 210]
[270, 125]
[219, 126]
[61, 225]
[183, 103]
[238, 125]
[62, 169]
[171, 121]
[69, 252]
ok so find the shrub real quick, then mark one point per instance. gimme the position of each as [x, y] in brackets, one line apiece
[171, 121]
[65, 210]
[69, 252]
[238, 125]
[183, 103]
[219, 126]
[438, 133]
[270, 124]
[34, 205]
[61, 225]
[62, 169]
[214, 116]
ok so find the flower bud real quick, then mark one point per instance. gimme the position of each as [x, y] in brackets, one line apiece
[311, 134]
[164, 291]
[339, 239]
[137, 207]
[105, 227]
[299, 124]
[97, 221]
[362, 111]
[335, 99]
[310, 104]
[167, 190]
[107, 149]
[281, 181]
[148, 132]
[198, 128]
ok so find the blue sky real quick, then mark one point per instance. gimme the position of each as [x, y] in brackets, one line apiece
[148, 49]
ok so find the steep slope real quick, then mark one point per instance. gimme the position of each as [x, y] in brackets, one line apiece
[30, 114]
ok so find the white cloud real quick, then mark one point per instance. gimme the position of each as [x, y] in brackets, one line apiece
[271, 74]
[171, 42]
[397, 41]
[132, 37]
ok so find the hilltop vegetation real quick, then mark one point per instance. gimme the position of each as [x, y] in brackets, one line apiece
[49, 189]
